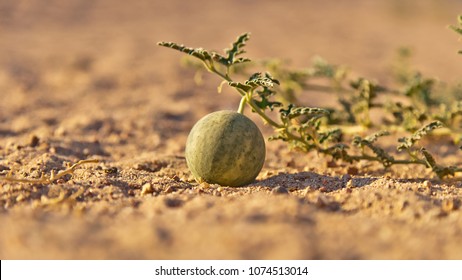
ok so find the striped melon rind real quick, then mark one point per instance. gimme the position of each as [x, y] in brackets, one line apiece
[225, 148]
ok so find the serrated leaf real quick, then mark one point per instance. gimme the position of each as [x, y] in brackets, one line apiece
[408, 142]
[428, 158]
[372, 138]
[228, 60]
[385, 158]
[175, 46]
[458, 29]
[241, 86]
[339, 151]
[456, 110]
[441, 171]
[255, 81]
[220, 59]
[293, 112]
[361, 142]
[321, 68]
[265, 103]
[277, 137]
[200, 53]
[332, 135]
[421, 88]
[237, 49]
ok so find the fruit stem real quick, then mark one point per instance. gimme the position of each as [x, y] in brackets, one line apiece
[242, 104]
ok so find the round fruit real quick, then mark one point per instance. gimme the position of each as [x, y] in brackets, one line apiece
[225, 148]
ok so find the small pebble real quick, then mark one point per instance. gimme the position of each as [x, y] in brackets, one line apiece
[331, 164]
[279, 190]
[447, 205]
[204, 185]
[20, 197]
[173, 202]
[34, 141]
[352, 171]
[322, 201]
[427, 184]
[111, 170]
[147, 189]
[350, 184]
[3, 168]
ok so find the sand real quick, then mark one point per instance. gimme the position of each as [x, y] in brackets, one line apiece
[86, 80]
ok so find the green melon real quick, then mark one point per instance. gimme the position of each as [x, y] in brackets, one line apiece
[225, 148]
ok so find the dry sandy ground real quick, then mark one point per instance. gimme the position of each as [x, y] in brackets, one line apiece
[85, 79]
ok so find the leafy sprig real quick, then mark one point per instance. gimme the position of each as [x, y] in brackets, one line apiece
[323, 129]
[458, 28]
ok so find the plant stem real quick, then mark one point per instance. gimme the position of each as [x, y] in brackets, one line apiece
[246, 98]
[241, 108]
[267, 119]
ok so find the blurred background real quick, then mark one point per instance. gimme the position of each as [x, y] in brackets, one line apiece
[65, 65]
[116, 35]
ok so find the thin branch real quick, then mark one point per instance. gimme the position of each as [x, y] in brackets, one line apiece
[48, 179]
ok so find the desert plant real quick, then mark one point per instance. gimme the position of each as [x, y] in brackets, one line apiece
[322, 129]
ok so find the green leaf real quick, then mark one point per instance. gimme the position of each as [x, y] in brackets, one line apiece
[441, 171]
[232, 53]
[321, 68]
[334, 135]
[292, 112]
[421, 89]
[456, 110]
[237, 48]
[408, 142]
[228, 60]
[198, 52]
[428, 158]
[255, 81]
[241, 86]
[361, 142]
[385, 158]
[458, 29]
[339, 151]
[372, 138]
[264, 101]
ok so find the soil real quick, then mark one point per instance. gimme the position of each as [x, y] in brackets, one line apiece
[86, 80]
